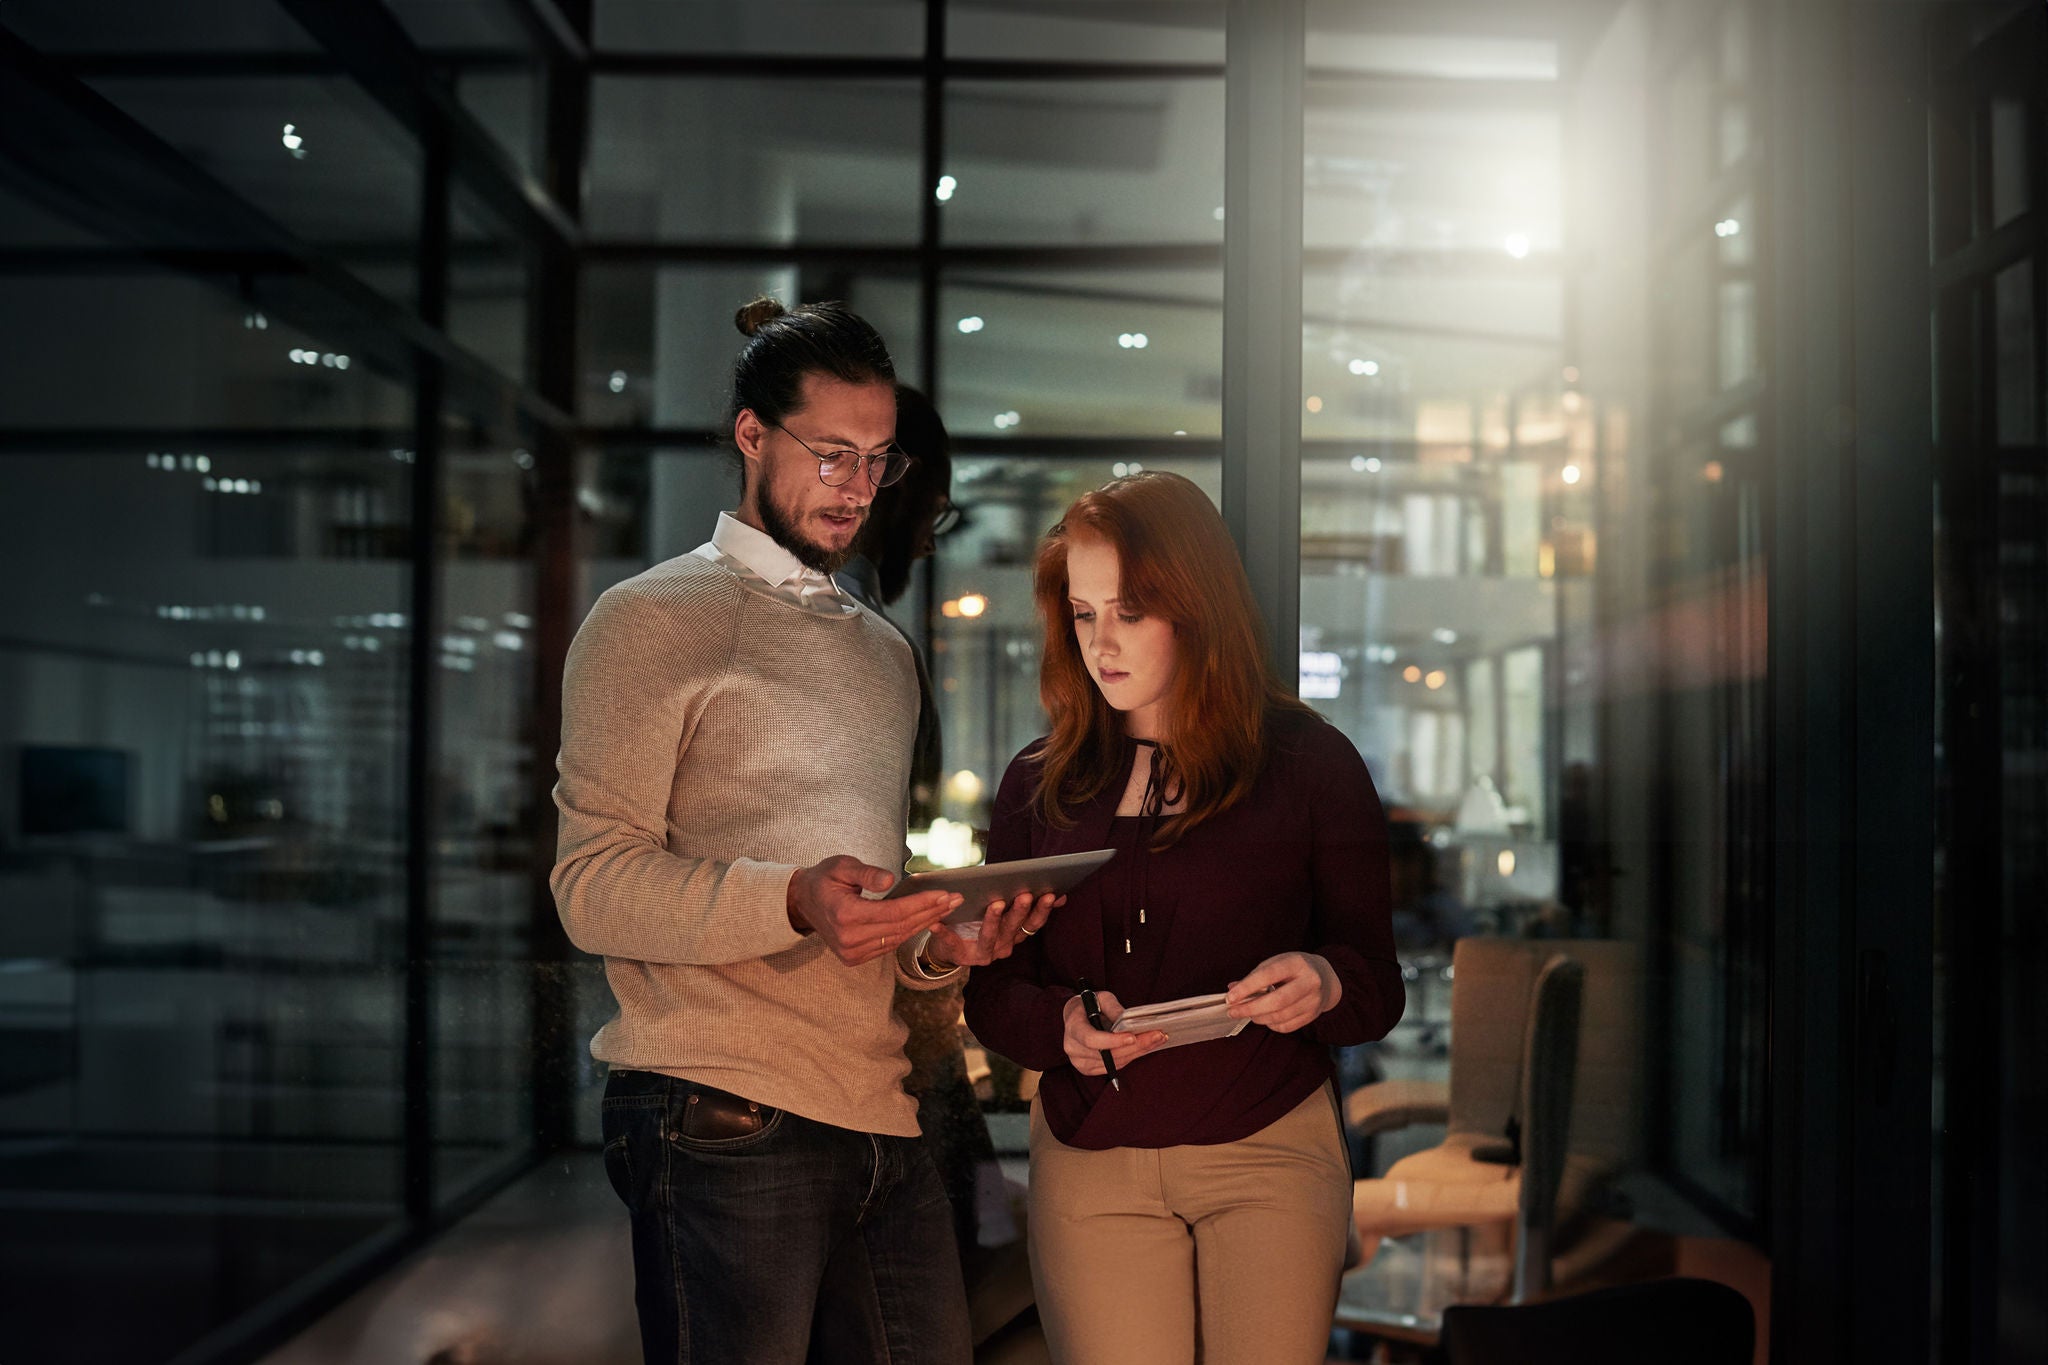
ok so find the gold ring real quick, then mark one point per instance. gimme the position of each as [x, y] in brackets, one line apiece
[885, 940]
[1027, 933]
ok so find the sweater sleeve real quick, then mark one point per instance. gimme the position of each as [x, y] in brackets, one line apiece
[1011, 1006]
[1351, 921]
[634, 672]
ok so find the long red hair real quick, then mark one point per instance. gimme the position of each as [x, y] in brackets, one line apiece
[1175, 560]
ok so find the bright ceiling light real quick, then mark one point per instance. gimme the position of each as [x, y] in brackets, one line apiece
[970, 325]
[947, 184]
[1571, 473]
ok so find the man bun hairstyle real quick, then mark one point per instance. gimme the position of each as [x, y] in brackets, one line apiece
[751, 316]
[785, 344]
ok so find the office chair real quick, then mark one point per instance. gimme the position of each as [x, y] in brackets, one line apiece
[1657, 1322]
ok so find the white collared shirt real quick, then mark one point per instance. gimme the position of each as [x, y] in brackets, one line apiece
[755, 556]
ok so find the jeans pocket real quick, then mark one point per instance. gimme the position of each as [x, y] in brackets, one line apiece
[618, 1168]
[695, 1136]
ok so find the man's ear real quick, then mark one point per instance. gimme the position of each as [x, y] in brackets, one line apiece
[749, 433]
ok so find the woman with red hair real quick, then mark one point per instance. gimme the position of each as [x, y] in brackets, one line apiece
[1203, 1194]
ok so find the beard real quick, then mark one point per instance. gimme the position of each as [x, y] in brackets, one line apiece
[776, 522]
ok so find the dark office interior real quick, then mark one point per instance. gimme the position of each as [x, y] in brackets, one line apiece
[1633, 415]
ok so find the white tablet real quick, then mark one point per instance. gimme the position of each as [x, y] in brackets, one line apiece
[1194, 1019]
[1003, 881]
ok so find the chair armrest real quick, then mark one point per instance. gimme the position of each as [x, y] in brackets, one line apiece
[1386, 1105]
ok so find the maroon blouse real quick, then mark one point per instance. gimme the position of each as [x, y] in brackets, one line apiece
[1299, 864]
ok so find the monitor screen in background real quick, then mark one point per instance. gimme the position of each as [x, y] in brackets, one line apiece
[73, 790]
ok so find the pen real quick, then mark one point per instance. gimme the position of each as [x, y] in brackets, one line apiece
[1095, 1020]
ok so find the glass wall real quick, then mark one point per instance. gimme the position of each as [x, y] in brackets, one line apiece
[270, 782]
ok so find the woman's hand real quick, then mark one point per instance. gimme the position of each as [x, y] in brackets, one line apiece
[996, 936]
[1286, 992]
[1085, 1044]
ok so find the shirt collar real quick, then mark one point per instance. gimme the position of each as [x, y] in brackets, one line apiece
[759, 553]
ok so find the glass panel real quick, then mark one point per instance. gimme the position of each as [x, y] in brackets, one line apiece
[2009, 164]
[831, 28]
[486, 821]
[488, 287]
[130, 27]
[1366, 39]
[498, 76]
[2012, 293]
[1537, 615]
[317, 154]
[1086, 30]
[1383, 174]
[1083, 161]
[203, 688]
[1084, 352]
[660, 340]
[985, 666]
[2022, 955]
[1427, 358]
[755, 160]
[508, 103]
[165, 352]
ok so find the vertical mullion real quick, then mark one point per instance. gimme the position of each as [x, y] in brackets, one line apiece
[557, 344]
[1263, 81]
[929, 228]
[934, 162]
[423, 732]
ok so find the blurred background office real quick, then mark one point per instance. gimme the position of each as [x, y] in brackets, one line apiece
[1634, 414]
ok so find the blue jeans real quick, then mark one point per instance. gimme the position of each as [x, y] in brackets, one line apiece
[795, 1242]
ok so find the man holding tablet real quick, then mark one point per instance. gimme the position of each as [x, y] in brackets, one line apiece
[736, 742]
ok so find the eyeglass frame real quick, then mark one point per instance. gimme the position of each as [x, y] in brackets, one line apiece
[861, 463]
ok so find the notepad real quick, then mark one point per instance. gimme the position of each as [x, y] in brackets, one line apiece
[1192, 1019]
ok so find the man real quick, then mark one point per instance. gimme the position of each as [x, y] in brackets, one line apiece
[736, 740]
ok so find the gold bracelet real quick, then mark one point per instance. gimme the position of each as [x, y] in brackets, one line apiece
[927, 966]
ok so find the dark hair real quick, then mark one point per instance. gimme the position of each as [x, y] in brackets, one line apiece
[784, 345]
[893, 537]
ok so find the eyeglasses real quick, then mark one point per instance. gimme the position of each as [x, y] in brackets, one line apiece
[836, 467]
[947, 520]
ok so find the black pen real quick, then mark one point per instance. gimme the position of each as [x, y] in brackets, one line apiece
[1095, 1020]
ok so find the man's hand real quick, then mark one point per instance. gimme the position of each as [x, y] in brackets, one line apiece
[826, 899]
[1006, 924]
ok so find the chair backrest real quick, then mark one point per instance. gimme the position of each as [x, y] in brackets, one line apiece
[1670, 1322]
[1549, 1060]
[1492, 982]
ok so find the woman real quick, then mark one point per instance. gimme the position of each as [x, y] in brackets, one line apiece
[1206, 1196]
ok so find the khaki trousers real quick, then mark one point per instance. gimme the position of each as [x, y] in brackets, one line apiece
[1226, 1254]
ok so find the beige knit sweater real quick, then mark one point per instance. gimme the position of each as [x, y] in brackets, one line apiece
[716, 737]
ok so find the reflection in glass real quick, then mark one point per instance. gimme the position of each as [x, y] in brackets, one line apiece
[1081, 352]
[835, 28]
[659, 340]
[161, 351]
[1083, 161]
[733, 159]
[2013, 307]
[316, 154]
[204, 858]
[1060, 30]
[484, 820]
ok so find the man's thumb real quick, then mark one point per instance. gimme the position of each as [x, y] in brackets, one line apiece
[876, 879]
